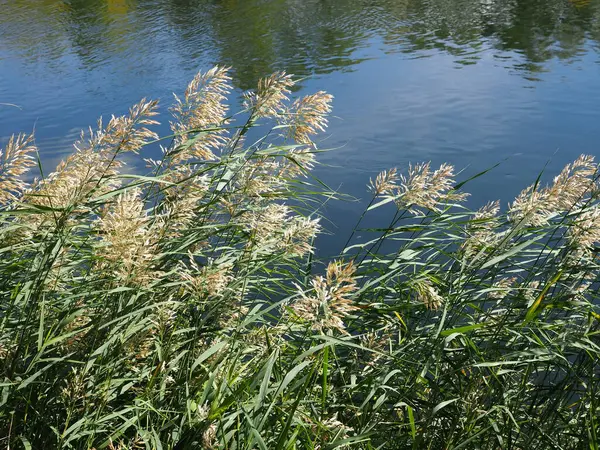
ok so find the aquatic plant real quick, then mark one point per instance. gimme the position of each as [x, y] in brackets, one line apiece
[186, 308]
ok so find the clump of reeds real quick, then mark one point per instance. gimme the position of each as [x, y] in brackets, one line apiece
[186, 308]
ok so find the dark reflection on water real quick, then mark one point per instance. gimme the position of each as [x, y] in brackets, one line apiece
[471, 82]
[310, 36]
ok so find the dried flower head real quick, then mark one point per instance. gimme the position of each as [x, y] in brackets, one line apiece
[75, 389]
[94, 164]
[584, 232]
[533, 206]
[481, 231]
[259, 177]
[182, 199]
[329, 301]
[376, 341]
[209, 437]
[308, 116]
[203, 107]
[15, 161]
[427, 294]
[501, 288]
[274, 227]
[298, 235]
[486, 216]
[385, 183]
[262, 175]
[209, 281]
[269, 97]
[573, 182]
[299, 161]
[127, 133]
[426, 189]
[5, 350]
[127, 248]
[136, 443]
[265, 224]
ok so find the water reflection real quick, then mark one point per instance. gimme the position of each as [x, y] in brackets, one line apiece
[309, 36]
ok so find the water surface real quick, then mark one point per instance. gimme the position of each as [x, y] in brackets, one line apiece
[470, 82]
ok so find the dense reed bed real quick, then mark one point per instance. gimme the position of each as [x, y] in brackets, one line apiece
[185, 309]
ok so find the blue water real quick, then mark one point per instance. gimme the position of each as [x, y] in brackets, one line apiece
[469, 82]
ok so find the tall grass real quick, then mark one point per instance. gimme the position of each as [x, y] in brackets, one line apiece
[184, 309]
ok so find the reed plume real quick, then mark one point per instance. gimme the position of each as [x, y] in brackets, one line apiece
[385, 183]
[95, 164]
[200, 115]
[276, 228]
[128, 248]
[185, 308]
[585, 231]
[268, 100]
[427, 294]
[329, 301]
[15, 161]
[534, 207]
[307, 116]
[482, 231]
[421, 189]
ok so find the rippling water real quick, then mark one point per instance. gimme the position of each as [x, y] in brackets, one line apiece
[471, 82]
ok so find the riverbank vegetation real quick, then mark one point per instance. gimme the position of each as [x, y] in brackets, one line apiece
[185, 308]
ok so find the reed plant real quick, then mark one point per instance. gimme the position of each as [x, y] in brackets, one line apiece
[185, 308]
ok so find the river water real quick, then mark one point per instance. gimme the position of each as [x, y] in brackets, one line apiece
[469, 82]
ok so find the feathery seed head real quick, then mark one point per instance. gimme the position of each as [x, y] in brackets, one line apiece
[427, 294]
[481, 230]
[329, 301]
[260, 177]
[94, 164]
[426, 189]
[182, 199]
[502, 288]
[298, 235]
[336, 429]
[128, 133]
[208, 281]
[385, 182]
[585, 230]
[269, 97]
[276, 228]
[128, 240]
[265, 223]
[15, 161]
[300, 161]
[209, 437]
[307, 116]
[487, 214]
[203, 107]
[534, 207]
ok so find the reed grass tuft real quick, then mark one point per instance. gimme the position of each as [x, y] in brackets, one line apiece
[186, 308]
